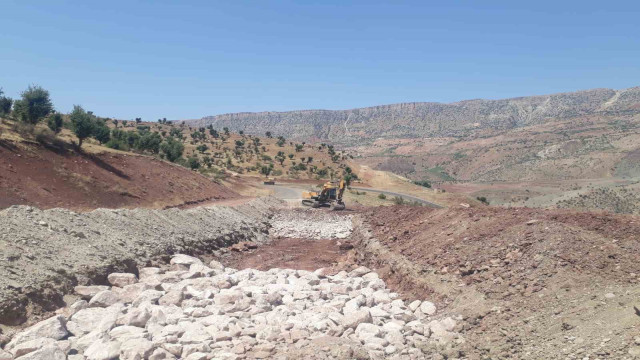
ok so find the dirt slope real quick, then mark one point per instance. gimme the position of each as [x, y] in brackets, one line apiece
[529, 283]
[31, 174]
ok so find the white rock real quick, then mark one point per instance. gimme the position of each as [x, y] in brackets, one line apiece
[389, 350]
[359, 272]
[198, 356]
[31, 346]
[173, 297]
[103, 349]
[77, 306]
[87, 292]
[174, 349]
[148, 297]
[49, 352]
[136, 349]
[148, 272]
[129, 293]
[414, 305]
[195, 333]
[392, 326]
[4, 355]
[161, 354]
[377, 312]
[122, 279]
[84, 321]
[427, 308]
[104, 299]
[123, 333]
[356, 318]
[353, 305]
[381, 297]
[53, 328]
[137, 317]
[448, 323]
[182, 259]
[200, 270]
[365, 331]
[216, 265]
[372, 276]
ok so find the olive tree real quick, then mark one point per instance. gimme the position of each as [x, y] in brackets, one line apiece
[34, 105]
[5, 104]
[82, 124]
[172, 149]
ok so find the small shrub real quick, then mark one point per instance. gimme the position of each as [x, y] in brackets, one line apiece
[117, 144]
[54, 122]
[193, 163]
[423, 183]
[44, 136]
[382, 196]
[23, 129]
[398, 200]
[483, 200]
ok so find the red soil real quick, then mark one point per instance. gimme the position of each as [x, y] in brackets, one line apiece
[48, 177]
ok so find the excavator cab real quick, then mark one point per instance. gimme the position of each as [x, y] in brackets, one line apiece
[331, 195]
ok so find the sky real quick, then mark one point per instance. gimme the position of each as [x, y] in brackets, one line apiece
[189, 59]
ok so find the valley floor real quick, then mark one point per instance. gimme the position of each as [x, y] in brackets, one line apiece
[470, 283]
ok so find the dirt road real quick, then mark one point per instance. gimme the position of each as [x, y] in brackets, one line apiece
[290, 192]
[404, 196]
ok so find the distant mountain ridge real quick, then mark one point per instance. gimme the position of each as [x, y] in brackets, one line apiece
[429, 119]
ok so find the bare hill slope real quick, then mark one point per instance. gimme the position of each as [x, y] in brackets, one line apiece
[46, 176]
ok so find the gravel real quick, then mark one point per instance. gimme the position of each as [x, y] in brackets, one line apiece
[311, 225]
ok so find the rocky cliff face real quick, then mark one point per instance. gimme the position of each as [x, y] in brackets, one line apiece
[428, 119]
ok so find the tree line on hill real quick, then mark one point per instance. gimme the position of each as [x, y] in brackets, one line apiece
[167, 140]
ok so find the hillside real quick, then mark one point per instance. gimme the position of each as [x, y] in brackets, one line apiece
[576, 150]
[49, 174]
[219, 154]
[586, 163]
[428, 119]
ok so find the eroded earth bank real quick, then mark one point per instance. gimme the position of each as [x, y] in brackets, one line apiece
[260, 281]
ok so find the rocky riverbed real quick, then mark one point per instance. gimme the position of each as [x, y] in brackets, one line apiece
[194, 311]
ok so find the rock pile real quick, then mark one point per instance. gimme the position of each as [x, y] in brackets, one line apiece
[193, 311]
[48, 251]
[311, 225]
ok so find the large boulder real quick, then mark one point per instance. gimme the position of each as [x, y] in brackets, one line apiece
[427, 308]
[48, 352]
[136, 349]
[52, 328]
[122, 279]
[104, 298]
[31, 346]
[103, 349]
[353, 319]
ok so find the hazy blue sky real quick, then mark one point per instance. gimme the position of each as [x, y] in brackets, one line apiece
[188, 59]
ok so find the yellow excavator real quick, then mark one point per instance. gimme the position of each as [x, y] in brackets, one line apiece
[331, 195]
